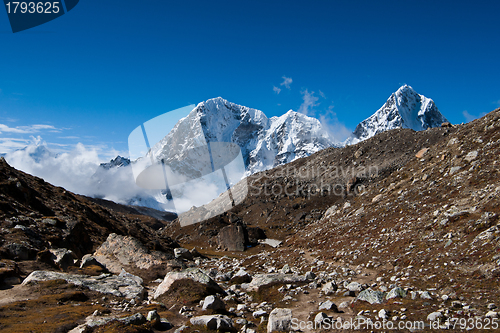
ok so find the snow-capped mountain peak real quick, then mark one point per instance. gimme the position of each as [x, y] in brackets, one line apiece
[264, 142]
[118, 161]
[404, 109]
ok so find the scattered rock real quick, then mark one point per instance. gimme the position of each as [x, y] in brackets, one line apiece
[89, 260]
[319, 318]
[491, 314]
[214, 322]
[329, 288]
[241, 277]
[120, 286]
[434, 315]
[232, 238]
[263, 280]
[182, 253]
[213, 303]
[471, 156]
[328, 305]
[259, 313]
[421, 152]
[371, 296]
[377, 198]
[354, 286]
[137, 319]
[63, 258]
[396, 292]
[280, 320]
[193, 274]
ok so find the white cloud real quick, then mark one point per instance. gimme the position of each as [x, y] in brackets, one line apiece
[78, 171]
[276, 90]
[74, 170]
[26, 129]
[322, 94]
[335, 128]
[287, 81]
[11, 144]
[309, 102]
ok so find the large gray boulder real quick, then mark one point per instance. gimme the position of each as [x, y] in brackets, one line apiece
[329, 288]
[119, 252]
[371, 296]
[125, 285]
[263, 280]
[396, 292]
[232, 238]
[193, 274]
[214, 322]
[280, 320]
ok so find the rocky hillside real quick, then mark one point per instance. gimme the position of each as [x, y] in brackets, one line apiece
[401, 229]
[35, 215]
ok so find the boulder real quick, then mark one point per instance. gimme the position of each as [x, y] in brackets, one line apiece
[329, 288]
[263, 280]
[120, 286]
[354, 286]
[182, 253]
[63, 258]
[434, 316]
[241, 277]
[328, 305]
[193, 274]
[213, 303]
[396, 292]
[89, 260]
[280, 320]
[119, 252]
[319, 318]
[371, 296]
[232, 238]
[9, 272]
[214, 322]
[254, 234]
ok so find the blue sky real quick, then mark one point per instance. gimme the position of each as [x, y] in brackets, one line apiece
[96, 73]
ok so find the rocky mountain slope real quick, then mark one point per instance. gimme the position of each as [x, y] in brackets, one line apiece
[36, 215]
[402, 228]
[404, 109]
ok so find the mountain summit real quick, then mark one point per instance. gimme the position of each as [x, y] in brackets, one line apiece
[404, 109]
[264, 142]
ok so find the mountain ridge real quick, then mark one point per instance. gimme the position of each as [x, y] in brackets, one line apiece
[405, 108]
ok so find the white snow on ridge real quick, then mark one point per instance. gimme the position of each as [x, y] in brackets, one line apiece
[404, 109]
[265, 143]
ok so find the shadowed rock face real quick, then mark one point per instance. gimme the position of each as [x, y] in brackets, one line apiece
[232, 238]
